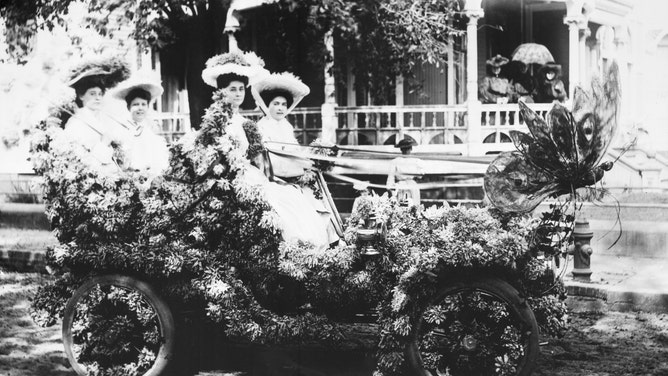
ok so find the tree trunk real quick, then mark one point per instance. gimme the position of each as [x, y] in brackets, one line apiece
[205, 36]
[199, 48]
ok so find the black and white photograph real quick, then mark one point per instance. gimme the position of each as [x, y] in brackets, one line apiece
[333, 187]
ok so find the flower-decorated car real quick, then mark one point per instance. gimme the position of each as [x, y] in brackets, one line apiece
[452, 290]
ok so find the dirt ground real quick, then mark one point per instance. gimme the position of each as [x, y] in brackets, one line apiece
[608, 344]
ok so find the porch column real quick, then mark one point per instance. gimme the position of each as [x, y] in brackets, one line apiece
[399, 101]
[473, 11]
[351, 96]
[576, 20]
[622, 53]
[231, 26]
[329, 118]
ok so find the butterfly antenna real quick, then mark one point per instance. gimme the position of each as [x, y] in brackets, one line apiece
[629, 145]
[618, 221]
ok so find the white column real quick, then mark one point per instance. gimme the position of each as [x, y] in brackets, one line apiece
[576, 19]
[450, 84]
[573, 55]
[473, 11]
[622, 55]
[231, 26]
[451, 94]
[351, 94]
[399, 101]
[584, 34]
[329, 120]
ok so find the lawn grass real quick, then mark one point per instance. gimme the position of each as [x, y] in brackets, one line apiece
[25, 348]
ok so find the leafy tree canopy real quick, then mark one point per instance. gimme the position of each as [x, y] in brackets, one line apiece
[186, 31]
[399, 33]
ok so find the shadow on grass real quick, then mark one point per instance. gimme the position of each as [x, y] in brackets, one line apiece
[25, 348]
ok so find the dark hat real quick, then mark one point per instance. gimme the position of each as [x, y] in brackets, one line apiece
[105, 71]
[497, 61]
[407, 142]
[89, 77]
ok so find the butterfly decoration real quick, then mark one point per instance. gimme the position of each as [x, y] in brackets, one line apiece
[561, 153]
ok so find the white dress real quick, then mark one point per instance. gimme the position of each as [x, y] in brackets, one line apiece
[145, 150]
[94, 132]
[283, 133]
[299, 220]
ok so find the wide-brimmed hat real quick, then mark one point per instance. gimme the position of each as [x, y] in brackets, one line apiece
[284, 81]
[106, 71]
[147, 81]
[243, 64]
[497, 61]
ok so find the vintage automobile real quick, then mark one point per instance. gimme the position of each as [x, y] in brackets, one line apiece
[449, 290]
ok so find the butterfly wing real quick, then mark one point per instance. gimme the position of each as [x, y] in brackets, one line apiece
[534, 153]
[563, 135]
[512, 184]
[596, 117]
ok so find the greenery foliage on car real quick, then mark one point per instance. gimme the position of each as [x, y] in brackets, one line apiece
[208, 239]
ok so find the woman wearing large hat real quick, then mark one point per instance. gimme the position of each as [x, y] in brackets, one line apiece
[90, 127]
[277, 95]
[146, 151]
[495, 88]
[298, 220]
[230, 73]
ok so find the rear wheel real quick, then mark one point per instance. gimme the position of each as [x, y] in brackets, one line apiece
[476, 327]
[118, 325]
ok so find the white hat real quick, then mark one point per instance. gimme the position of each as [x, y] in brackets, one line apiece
[243, 64]
[147, 81]
[279, 81]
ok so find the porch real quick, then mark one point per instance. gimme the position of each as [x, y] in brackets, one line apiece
[436, 128]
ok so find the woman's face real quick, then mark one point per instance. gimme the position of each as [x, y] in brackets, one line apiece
[92, 98]
[235, 93]
[278, 108]
[138, 109]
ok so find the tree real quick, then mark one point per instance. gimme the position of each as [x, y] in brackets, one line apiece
[186, 32]
[399, 33]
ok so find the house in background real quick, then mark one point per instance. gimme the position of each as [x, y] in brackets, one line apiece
[583, 36]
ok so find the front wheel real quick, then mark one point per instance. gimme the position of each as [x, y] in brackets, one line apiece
[474, 327]
[117, 324]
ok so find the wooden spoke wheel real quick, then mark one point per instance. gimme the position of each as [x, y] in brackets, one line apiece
[474, 327]
[115, 324]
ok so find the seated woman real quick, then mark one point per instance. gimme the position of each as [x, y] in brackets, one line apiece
[277, 95]
[145, 150]
[91, 128]
[298, 220]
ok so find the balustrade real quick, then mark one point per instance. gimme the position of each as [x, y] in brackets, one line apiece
[375, 125]
[497, 119]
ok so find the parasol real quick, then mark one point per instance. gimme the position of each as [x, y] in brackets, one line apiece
[532, 53]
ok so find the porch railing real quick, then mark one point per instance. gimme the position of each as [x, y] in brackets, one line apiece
[172, 125]
[497, 119]
[376, 125]
[307, 122]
